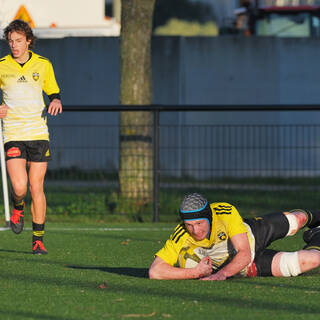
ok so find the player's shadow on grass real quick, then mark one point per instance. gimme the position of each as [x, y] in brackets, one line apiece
[15, 251]
[125, 271]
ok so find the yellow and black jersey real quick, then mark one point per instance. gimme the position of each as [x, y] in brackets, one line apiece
[183, 250]
[22, 91]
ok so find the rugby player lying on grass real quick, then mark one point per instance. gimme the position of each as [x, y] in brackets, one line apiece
[215, 243]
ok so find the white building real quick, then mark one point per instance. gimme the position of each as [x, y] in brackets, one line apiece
[60, 18]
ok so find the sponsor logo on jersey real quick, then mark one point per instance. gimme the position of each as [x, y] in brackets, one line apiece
[222, 236]
[22, 79]
[7, 76]
[13, 152]
[35, 76]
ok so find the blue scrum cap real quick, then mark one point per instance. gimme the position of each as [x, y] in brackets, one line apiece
[195, 206]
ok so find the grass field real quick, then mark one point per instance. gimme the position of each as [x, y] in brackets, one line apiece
[96, 273]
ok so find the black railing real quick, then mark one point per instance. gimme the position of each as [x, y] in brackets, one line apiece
[230, 154]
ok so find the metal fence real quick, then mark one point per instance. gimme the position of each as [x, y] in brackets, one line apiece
[227, 156]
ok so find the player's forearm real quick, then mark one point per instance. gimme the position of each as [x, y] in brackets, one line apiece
[241, 259]
[167, 272]
[238, 263]
[3, 110]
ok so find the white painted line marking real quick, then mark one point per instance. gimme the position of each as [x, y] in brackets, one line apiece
[99, 229]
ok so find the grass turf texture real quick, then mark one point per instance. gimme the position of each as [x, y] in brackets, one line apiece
[94, 274]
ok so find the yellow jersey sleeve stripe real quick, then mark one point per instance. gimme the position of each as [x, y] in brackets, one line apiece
[179, 232]
[183, 233]
[178, 228]
[176, 234]
[223, 209]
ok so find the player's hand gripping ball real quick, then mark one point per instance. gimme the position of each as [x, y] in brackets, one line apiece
[189, 257]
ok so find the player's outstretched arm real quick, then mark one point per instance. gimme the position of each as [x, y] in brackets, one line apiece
[163, 271]
[239, 262]
[55, 107]
[3, 110]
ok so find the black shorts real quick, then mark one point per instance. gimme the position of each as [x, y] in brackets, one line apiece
[267, 229]
[34, 151]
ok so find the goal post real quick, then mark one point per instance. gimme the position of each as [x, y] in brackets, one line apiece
[4, 180]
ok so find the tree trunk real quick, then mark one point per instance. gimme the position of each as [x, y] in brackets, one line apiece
[136, 156]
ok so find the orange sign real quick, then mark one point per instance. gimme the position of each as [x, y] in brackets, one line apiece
[24, 15]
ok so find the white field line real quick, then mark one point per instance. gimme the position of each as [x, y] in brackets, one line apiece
[100, 229]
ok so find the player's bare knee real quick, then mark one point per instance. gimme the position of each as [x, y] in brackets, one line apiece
[20, 193]
[297, 218]
[290, 264]
[19, 190]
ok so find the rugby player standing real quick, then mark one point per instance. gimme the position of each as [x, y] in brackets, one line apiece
[24, 76]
